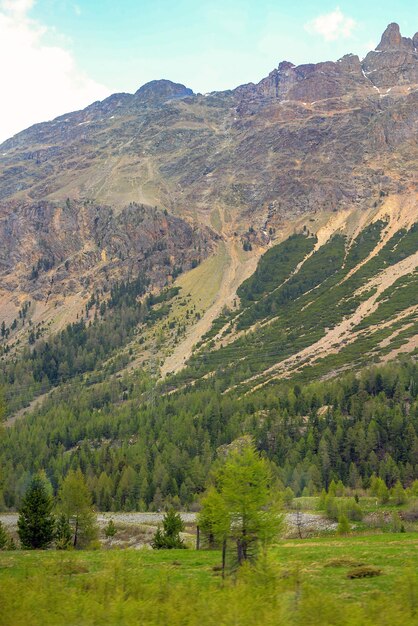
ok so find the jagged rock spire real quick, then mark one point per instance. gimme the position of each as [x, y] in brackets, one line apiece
[393, 40]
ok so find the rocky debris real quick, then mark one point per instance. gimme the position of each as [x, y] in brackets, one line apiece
[309, 524]
[152, 519]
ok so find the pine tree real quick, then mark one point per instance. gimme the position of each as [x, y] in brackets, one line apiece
[213, 518]
[288, 496]
[383, 492]
[169, 538]
[398, 492]
[36, 524]
[248, 514]
[110, 530]
[76, 504]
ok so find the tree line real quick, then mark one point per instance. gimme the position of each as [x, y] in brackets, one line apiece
[142, 450]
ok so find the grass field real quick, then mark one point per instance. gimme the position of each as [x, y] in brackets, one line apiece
[300, 582]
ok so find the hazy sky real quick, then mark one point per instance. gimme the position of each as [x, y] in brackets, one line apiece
[61, 55]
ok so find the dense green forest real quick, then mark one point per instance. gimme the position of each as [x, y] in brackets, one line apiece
[146, 445]
[141, 449]
[84, 346]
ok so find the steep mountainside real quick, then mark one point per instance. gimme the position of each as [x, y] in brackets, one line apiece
[164, 180]
[306, 138]
[180, 270]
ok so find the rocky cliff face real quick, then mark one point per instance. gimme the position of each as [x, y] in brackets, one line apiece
[52, 250]
[306, 139]
[394, 63]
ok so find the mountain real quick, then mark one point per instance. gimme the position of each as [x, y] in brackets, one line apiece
[316, 163]
[178, 270]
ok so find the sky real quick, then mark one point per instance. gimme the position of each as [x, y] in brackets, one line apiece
[61, 55]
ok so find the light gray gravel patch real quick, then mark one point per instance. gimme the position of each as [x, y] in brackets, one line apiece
[9, 520]
[140, 518]
[309, 520]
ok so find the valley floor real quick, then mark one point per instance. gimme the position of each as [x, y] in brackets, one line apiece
[136, 529]
[300, 582]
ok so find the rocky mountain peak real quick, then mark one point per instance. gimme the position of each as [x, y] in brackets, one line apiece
[393, 40]
[285, 65]
[394, 62]
[162, 90]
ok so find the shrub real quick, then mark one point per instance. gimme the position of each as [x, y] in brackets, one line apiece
[353, 511]
[364, 571]
[110, 530]
[396, 525]
[169, 537]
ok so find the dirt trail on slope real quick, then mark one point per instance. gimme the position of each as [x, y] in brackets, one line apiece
[237, 271]
[36, 402]
[342, 334]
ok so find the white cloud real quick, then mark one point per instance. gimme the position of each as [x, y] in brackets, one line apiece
[332, 26]
[39, 80]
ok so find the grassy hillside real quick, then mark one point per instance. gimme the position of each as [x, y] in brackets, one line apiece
[306, 311]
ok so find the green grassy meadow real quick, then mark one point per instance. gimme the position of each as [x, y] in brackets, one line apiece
[298, 582]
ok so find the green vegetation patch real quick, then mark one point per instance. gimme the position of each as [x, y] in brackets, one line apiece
[290, 586]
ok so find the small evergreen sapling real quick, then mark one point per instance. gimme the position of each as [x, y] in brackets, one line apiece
[399, 494]
[343, 527]
[110, 530]
[169, 537]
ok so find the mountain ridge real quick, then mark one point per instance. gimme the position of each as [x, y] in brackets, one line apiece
[223, 176]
